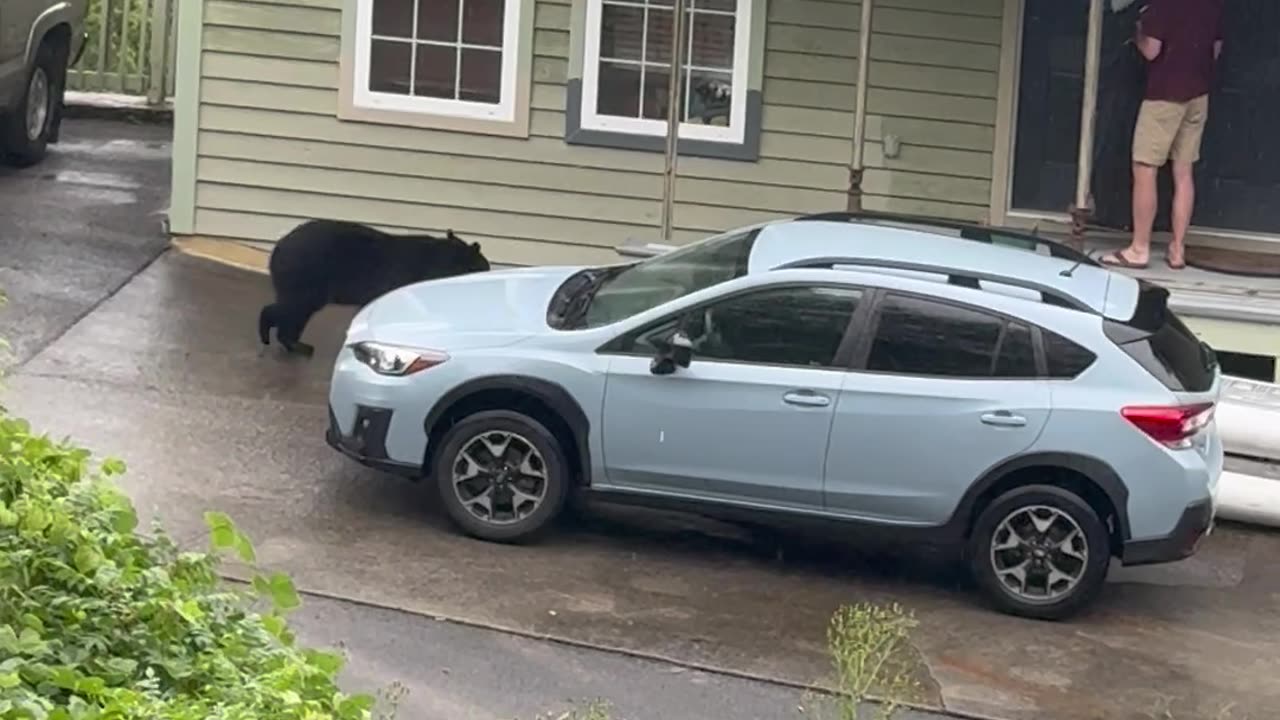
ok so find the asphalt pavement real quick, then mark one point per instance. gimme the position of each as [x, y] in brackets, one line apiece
[455, 672]
[168, 374]
[75, 228]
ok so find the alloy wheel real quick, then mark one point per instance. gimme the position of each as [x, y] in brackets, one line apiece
[500, 477]
[37, 104]
[1039, 554]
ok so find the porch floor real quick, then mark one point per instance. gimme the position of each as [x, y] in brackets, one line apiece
[1201, 293]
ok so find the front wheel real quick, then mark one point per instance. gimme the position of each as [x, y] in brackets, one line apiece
[501, 476]
[1040, 551]
[25, 132]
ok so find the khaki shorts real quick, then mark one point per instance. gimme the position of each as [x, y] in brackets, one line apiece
[1170, 129]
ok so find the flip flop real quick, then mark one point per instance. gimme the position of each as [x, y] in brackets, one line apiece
[1179, 266]
[1117, 259]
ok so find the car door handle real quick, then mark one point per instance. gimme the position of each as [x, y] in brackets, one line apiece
[1004, 418]
[806, 398]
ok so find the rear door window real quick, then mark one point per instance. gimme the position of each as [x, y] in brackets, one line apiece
[1064, 358]
[916, 336]
[1017, 355]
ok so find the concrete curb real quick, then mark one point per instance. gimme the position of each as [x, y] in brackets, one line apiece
[110, 106]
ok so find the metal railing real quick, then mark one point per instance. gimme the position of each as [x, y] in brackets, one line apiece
[130, 49]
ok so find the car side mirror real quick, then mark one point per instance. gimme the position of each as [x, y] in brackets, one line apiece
[672, 353]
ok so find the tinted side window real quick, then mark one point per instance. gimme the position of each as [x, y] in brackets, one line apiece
[1064, 358]
[784, 326]
[1017, 357]
[923, 337]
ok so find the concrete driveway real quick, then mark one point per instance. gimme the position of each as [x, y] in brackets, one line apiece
[168, 374]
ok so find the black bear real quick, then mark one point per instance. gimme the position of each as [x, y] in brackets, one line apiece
[332, 262]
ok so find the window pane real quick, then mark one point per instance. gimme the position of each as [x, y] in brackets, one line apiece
[722, 5]
[922, 337]
[789, 326]
[657, 44]
[438, 20]
[389, 63]
[393, 18]
[621, 32]
[1065, 358]
[619, 90]
[1017, 353]
[709, 97]
[482, 22]
[656, 91]
[481, 76]
[436, 71]
[712, 41]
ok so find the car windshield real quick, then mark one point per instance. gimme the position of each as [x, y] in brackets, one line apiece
[670, 276]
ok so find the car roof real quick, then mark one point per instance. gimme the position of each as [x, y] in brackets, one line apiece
[792, 242]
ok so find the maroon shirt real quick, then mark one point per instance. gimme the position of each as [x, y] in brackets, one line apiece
[1187, 30]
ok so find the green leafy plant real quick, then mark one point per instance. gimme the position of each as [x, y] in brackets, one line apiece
[870, 647]
[127, 26]
[99, 622]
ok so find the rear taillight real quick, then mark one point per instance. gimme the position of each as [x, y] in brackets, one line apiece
[1170, 425]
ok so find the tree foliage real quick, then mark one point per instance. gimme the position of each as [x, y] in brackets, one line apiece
[100, 622]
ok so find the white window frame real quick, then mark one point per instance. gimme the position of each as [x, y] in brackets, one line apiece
[735, 133]
[503, 111]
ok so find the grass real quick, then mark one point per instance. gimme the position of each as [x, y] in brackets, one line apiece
[874, 662]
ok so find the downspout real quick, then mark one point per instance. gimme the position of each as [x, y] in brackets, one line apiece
[860, 108]
[673, 119]
[1080, 209]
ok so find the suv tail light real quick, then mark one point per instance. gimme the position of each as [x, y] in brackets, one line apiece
[1170, 425]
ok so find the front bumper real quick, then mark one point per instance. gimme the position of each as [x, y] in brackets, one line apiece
[1195, 524]
[367, 443]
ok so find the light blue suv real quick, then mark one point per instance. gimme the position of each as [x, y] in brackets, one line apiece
[957, 384]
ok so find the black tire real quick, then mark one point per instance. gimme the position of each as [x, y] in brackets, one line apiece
[1097, 543]
[554, 465]
[18, 147]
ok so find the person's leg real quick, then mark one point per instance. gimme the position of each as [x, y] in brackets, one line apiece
[1145, 198]
[1185, 154]
[1153, 135]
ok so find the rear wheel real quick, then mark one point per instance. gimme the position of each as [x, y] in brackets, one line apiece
[25, 132]
[1040, 551]
[501, 476]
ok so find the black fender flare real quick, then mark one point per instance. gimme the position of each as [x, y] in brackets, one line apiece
[552, 394]
[1099, 472]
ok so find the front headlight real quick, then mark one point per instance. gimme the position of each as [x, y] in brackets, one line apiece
[395, 360]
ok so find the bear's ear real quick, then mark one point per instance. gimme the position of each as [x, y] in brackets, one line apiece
[475, 246]
[450, 236]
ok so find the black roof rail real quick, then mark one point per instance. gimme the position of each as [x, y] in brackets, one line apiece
[968, 231]
[964, 278]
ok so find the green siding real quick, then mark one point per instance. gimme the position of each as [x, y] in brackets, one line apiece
[271, 151]
[932, 84]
